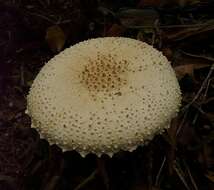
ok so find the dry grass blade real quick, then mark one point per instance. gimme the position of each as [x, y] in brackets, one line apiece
[87, 180]
[180, 174]
[198, 56]
[159, 172]
[190, 31]
[204, 84]
[190, 176]
[46, 18]
[182, 122]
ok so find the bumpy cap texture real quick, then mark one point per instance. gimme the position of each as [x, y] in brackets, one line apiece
[104, 95]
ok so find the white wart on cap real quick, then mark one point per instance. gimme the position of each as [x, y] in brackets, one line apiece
[104, 95]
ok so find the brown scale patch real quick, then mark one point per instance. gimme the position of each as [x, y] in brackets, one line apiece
[104, 74]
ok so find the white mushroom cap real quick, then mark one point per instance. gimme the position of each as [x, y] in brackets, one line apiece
[104, 95]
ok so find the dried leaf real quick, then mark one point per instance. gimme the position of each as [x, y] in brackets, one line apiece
[205, 156]
[210, 116]
[210, 176]
[154, 3]
[158, 3]
[188, 31]
[182, 70]
[138, 18]
[115, 30]
[144, 186]
[210, 137]
[187, 136]
[168, 53]
[52, 183]
[140, 36]
[55, 38]
[183, 3]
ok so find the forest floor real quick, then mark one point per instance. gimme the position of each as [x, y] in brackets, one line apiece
[33, 31]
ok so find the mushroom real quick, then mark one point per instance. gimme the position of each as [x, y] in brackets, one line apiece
[104, 95]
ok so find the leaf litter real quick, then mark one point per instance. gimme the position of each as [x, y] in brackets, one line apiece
[34, 31]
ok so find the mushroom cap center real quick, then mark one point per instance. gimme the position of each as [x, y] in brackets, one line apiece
[104, 74]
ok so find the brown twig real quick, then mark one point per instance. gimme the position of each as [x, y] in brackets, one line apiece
[205, 82]
[43, 17]
[171, 26]
[156, 25]
[198, 56]
[42, 3]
